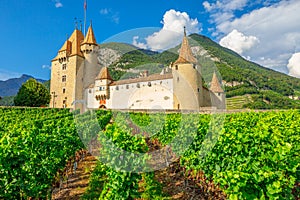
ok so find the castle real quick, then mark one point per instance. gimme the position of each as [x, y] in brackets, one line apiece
[79, 82]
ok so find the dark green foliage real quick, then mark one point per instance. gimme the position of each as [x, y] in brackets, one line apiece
[256, 155]
[269, 99]
[35, 144]
[47, 85]
[7, 101]
[235, 68]
[32, 94]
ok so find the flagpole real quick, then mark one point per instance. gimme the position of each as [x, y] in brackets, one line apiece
[84, 22]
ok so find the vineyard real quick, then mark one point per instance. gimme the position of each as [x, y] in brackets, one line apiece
[250, 155]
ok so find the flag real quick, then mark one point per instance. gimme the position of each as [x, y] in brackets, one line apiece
[85, 5]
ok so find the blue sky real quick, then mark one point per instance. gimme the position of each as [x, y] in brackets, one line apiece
[267, 32]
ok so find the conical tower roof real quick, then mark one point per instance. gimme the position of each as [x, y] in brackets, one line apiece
[185, 55]
[90, 37]
[76, 39]
[66, 47]
[104, 74]
[215, 84]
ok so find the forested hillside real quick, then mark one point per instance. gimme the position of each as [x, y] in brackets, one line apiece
[265, 88]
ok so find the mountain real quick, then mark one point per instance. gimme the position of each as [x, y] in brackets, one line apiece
[247, 84]
[11, 86]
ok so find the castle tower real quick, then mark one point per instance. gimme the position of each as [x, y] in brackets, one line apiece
[102, 87]
[187, 80]
[66, 72]
[217, 93]
[89, 48]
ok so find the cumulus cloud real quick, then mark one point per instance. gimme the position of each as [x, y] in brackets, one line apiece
[172, 30]
[294, 65]
[138, 44]
[238, 42]
[4, 74]
[57, 3]
[275, 23]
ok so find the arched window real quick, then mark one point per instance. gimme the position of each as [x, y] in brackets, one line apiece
[149, 84]
[138, 85]
[176, 67]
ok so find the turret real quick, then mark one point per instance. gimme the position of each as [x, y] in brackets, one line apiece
[89, 42]
[89, 48]
[187, 80]
[217, 93]
[102, 82]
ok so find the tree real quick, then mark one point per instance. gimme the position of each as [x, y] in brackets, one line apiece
[33, 94]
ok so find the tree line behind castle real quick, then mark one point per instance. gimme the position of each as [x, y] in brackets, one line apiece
[267, 88]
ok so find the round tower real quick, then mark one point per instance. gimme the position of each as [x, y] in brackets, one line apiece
[89, 48]
[187, 81]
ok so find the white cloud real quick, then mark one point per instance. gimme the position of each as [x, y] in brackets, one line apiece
[138, 44]
[294, 65]
[172, 30]
[57, 3]
[104, 11]
[238, 42]
[46, 67]
[4, 74]
[223, 10]
[113, 16]
[225, 5]
[276, 25]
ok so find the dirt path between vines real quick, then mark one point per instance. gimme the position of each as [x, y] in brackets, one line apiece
[175, 183]
[77, 182]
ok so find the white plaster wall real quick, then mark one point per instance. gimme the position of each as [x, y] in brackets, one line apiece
[129, 96]
[91, 100]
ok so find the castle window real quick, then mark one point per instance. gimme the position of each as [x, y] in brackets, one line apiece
[101, 88]
[177, 79]
[117, 88]
[64, 104]
[198, 89]
[90, 91]
[64, 78]
[160, 82]
[127, 86]
[149, 84]
[138, 85]
[176, 67]
[64, 90]
[219, 94]
[194, 66]
[64, 66]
